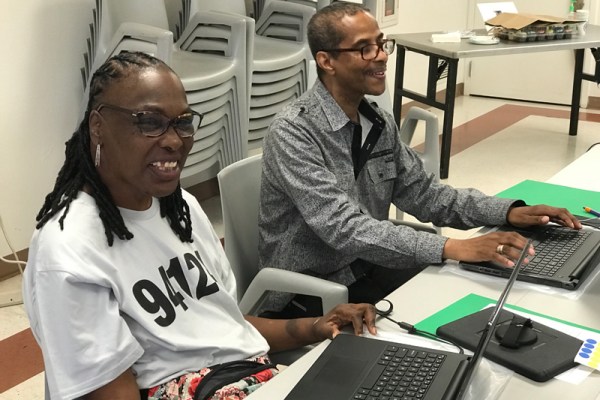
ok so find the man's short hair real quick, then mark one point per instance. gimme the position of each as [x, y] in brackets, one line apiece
[323, 32]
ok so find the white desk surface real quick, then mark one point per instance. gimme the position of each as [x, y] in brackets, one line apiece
[411, 304]
[581, 173]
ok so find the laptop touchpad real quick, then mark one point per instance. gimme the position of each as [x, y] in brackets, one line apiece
[339, 374]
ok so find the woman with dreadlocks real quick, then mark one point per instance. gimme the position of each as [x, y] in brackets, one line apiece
[127, 287]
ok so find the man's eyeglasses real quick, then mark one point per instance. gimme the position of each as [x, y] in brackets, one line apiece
[371, 51]
[154, 124]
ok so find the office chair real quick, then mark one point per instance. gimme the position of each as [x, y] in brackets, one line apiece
[239, 184]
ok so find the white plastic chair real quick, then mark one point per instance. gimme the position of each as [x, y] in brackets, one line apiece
[431, 153]
[46, 389]
[239, 184]
[279, 57]
[211, 59]
[259, 5]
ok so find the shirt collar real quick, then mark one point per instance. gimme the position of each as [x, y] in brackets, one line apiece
[335, 115]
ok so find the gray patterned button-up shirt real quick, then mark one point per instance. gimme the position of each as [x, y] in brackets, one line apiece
[315, 217]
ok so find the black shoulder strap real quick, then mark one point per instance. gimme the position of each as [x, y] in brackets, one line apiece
[360, 155]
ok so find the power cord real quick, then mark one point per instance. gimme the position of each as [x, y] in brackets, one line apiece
[385, 307]
[17, 298]
[595, 144]
[14, 253]
[414, 331]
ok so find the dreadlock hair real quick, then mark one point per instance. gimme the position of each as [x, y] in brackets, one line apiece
[323, 32]
[79, 171]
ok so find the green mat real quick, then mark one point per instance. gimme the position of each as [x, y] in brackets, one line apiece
[534, 192]
[472, 303]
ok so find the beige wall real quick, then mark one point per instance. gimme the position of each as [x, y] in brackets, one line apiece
[42, 43]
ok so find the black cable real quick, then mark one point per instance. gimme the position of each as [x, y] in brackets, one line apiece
[589, 148]
[414, 331]
[384, 308]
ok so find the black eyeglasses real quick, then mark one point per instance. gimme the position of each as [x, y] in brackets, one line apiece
[370, 52]
[154, 124]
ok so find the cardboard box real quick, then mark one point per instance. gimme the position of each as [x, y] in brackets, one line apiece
[519, 21]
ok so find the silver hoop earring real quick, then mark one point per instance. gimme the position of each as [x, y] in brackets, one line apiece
[97, 159]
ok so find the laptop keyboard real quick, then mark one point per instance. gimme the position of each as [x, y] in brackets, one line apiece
[400, 374]
[553, 251]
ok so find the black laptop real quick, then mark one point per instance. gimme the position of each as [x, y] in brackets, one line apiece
[355, 367]
[564, 258]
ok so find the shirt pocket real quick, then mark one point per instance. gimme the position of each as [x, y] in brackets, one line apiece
[382, 169]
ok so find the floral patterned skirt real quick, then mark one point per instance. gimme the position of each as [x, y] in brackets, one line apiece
[184, 387]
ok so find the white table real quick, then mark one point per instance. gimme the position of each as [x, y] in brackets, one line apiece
[432, 290]
[581, 173]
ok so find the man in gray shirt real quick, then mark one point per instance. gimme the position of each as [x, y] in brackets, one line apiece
[333, 164]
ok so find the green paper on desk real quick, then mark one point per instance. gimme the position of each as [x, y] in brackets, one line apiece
[472, 303]
[534, 192]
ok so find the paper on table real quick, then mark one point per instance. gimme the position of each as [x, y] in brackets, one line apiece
[589, 353]
[448, 37]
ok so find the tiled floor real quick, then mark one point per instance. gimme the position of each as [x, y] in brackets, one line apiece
[496, 144]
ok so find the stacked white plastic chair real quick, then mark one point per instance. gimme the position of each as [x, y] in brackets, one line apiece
[279, 57]
[259, 5]
[210, 58]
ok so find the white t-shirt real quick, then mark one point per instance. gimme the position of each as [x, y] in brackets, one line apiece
[153, 303]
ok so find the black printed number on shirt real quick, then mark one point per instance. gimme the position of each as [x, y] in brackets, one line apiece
[155, 299]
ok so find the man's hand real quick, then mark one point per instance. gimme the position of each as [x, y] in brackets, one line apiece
[329, 325]
[505, 247]
[541, 215]
[501, 247]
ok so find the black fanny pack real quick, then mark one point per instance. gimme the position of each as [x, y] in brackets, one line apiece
[225, 374]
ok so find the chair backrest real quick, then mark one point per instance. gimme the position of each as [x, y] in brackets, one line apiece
[46, 390]
[230, 6]
[116, 12]
[239, 184]
[135, 25]
[430, 153]
[177, 17]
[285, 20]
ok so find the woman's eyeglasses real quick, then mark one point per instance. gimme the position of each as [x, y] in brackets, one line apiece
[370, 52]
[154, 124]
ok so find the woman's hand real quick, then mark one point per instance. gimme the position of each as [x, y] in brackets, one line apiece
[285, 334]
[359, 315]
